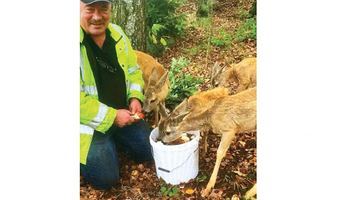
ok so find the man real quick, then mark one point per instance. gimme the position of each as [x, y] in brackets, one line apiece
[111, 91]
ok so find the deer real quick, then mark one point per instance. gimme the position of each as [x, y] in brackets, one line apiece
[214, 110]
[157, 84]
[244, 73]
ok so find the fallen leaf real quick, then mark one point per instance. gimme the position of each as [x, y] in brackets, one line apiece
[189, 191]
[134, 173]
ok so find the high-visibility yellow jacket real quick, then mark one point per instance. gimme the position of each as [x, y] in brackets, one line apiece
[95, 115]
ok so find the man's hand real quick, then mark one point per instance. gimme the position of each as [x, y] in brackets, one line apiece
[135, 106]
[123, 118]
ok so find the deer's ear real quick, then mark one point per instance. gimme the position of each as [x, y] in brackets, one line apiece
[153, 77]
[181, 116]
[216, 70]
[162, 80]
[181, 108]
[162, 110]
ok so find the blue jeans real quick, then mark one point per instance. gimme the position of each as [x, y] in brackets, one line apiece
[102, 164]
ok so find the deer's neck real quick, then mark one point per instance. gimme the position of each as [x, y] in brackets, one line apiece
[195, 123]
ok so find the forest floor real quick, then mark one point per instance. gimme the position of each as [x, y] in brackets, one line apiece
[237, 172]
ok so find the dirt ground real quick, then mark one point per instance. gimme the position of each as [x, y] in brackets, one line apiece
[237, 172]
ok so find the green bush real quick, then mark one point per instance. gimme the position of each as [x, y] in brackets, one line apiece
[162, 13]
[247, 30]
[156, 43]
[182, 85]
[204, 8]
[221, 40]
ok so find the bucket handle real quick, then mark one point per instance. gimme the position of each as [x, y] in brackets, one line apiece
[169, 171]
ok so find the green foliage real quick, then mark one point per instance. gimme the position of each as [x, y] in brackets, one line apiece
[195, 50]
[201, 178]
[243, 14]
[156, 43]
[182, 85]
[204, 8]
[164, 24]
[247, 30]
[222, 39]
[202, 22]
[169, 191]
[163, 12]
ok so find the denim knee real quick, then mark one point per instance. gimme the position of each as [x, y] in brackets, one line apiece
[134, 140]
[102, 167]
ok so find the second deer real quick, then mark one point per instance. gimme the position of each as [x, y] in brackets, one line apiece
[243, 73]
[156, 83]
[212, 110]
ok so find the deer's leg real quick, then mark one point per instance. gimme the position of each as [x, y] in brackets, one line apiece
[221, 152]
[205, 141]
[156, 113]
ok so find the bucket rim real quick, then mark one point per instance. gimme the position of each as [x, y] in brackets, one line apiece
[174, 147]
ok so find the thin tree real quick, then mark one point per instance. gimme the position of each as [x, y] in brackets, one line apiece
[130, 15]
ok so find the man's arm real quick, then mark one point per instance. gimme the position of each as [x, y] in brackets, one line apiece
[95, 114]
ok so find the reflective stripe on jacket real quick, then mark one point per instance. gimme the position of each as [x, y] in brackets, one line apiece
[95, 115]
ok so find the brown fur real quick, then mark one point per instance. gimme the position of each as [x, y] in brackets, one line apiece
[197, 101]
[223, 114]
[243, 73]
[156, 82]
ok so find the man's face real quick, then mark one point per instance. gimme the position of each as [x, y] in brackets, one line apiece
[95, 17]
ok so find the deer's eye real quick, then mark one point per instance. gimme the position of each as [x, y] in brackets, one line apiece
[167, 133]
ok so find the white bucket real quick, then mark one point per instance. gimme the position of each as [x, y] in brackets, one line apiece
[176, 163]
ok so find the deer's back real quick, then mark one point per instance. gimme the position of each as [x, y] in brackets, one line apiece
[236, 112]
[244, 73]
[146, 64]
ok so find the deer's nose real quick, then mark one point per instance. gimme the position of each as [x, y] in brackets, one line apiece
[169, 131]
[146, 109]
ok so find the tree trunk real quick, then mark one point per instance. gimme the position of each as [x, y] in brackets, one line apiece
[130, 15]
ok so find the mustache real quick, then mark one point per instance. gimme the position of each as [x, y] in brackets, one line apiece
[97, 22]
